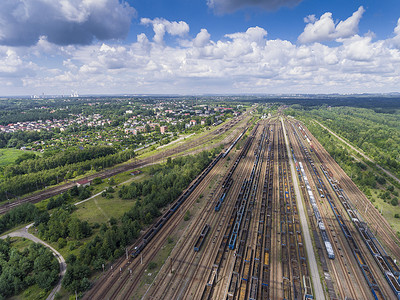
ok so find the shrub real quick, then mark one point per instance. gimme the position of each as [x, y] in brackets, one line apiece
[152, 265]
[187, 216]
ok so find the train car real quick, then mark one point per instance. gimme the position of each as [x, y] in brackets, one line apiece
[218, 205]
[232, 241]
[201, 238]
[233, 286]
[253, 288]
[393, 284]
[138, 249]
[329, 249]
[393, 267]
[247, 263]
[152, 232]
[307, 288]
[174, 207]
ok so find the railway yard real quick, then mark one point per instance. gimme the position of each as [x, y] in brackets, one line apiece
[245, 238]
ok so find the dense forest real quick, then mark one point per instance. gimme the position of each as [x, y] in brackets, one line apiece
[21, 214]
[378, 103]
[364, 173]
[48, 173]
[21, 269]
[100, 243]
[107, 241]
[57, 160]
[377, 134]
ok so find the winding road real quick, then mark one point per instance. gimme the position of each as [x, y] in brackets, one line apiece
[23, 232]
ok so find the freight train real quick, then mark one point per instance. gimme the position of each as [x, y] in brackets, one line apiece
[389, 269]
[234, 143]
[201, 238]
[369, 277]
[182, 198]
[317, 215]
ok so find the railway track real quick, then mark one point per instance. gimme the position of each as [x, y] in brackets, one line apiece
[258, 220]
[240, 124]
[366, 266]
[176, 264]
[186, 262]
[111, 283]
[296, 275]
[245, 277]
[348, 287]
[371, 215]
[116, 288]
[384, 283]
[231, 232]
[211, 252]
[275, 288]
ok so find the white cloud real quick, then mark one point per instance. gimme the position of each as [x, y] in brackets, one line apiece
[240, 62]
[162, 26]
[63, 22]
[324, 29]
[310, 19]
[253, 34]
[396, 39]
[229, 6]
[12, 65]
[202, 38]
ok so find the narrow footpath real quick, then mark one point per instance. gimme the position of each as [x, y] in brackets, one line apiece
[359, 152]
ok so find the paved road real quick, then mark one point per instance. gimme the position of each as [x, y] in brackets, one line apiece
[359, 152]
[23, 232]
[316, 279]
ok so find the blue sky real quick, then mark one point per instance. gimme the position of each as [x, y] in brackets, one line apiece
[199, 46]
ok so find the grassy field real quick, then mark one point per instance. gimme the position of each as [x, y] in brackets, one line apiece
[20, 243]
[8, 156]
[32, 293]
[100, 210]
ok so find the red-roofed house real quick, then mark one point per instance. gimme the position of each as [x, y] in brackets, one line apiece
[83, 182]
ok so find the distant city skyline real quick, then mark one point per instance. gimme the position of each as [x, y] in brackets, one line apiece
[199, 47]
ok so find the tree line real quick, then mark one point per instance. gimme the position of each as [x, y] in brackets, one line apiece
[110, 240]
[57, 160]
[166, 184]
[377, 134]
[22, 184]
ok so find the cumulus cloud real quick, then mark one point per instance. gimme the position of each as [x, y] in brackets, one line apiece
[229, 6]
[396, 39]
[252, 35]
[162, 26]
[239, 62]
[14, 70]
[324, 28]
[202, 38]
[63, 22]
